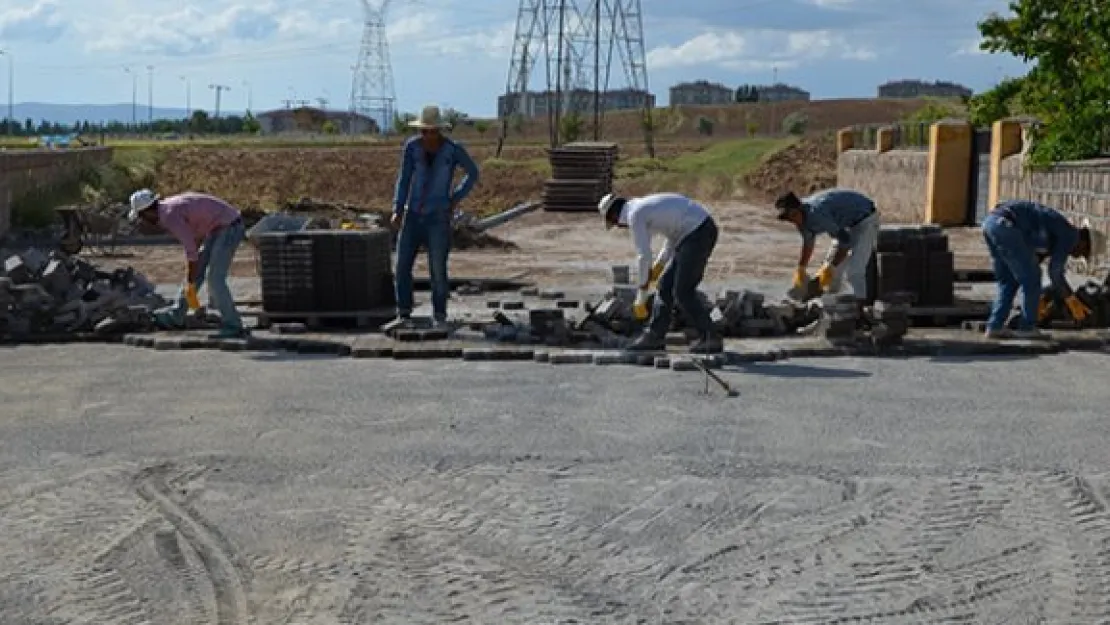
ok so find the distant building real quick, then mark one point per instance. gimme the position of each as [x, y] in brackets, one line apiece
[309, 119]
[781, 93]
[701, 92]
[922, 89]
[540, 103]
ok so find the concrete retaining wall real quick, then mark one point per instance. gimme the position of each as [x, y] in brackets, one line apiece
[24, 171]
[896, 180]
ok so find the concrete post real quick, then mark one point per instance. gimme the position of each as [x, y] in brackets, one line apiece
[845, 140]
[884, 140]
[946, 184]
[1005, 142]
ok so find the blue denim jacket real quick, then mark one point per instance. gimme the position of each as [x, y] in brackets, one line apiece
[1046, 230]
[427, 189]
[834, 212]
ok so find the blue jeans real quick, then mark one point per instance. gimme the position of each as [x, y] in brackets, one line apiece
[680, 281]
[432, 231]
[213, 265]
[1015, 266]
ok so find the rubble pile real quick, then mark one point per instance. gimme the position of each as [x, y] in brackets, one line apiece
[51, 293]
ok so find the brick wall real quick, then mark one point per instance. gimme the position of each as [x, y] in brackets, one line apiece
[1079, 189]
[23, 171]
[895, 179]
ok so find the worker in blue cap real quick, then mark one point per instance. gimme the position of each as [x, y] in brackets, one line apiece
[1020, 234]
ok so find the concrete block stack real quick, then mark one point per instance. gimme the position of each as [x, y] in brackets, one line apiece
[916, 260]
[581, 174]
[890, 320]
[841, 317]
[50, 293]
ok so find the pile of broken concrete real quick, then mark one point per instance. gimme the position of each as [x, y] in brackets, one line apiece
[50, 293]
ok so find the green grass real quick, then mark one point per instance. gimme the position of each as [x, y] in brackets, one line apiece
[714, 172]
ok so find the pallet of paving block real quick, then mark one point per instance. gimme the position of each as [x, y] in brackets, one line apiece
[946, 316]
[358, 319]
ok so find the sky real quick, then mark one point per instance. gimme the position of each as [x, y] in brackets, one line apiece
[456, 53]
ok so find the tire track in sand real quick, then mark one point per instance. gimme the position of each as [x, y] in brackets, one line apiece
[218, 559]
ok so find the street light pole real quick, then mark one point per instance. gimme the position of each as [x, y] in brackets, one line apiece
[250, 95]
[218, 89]
[150, 96]
[10, 126]
[188, 98]
[134, 97]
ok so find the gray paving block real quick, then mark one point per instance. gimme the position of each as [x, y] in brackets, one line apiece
[541, 356]
[683, 364]
[530, 291]
[427, 352]
[661, 362]
[571, 358]
[552, 294]
[498, 353]
[512, 305]
[166, 343]
[372, 351]
[568, 303]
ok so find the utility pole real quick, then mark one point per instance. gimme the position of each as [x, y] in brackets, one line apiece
[218, 89]
[250, 95]
[597, 70]
[150, 96]
[188, 98]
[10, 126]
[134, 97]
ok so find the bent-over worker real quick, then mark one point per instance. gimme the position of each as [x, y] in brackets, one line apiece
[424, 204]
[1019, 235]
[851, 218]
[210, 230]
[690, 235]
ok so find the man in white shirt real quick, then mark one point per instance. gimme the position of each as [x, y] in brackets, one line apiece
[690, 235]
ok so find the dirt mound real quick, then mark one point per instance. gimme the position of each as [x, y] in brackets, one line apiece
[803, 167]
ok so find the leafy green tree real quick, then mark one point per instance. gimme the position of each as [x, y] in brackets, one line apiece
[705, 126]
[571, 127]
[795, 123]
[1067, 45]
[251, 125]
[482, 126]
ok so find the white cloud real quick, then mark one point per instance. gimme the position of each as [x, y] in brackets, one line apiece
[751, 50]
[431, 33]
[40, 21]
[970, 48]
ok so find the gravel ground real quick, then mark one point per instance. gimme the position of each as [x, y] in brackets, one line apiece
[144, 487]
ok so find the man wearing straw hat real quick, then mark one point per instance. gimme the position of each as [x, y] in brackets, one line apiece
[424, 204]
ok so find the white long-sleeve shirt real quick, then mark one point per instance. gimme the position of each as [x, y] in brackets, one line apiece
[670, 215]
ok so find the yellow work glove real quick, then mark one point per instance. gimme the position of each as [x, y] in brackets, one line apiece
[825, 275]
[1079, 310]
[800, 277]
[639, 307]
[1044, 309]
[656, 271]
[191, 297]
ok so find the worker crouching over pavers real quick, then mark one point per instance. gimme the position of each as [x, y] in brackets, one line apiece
[851, 218]
[691, 234]
[194, 218]
[1019, 235]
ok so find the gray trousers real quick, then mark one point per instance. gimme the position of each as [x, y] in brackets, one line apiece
[680, 280]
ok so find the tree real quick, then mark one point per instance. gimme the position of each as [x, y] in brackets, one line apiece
[753, 128]
[401, 122]
[705, 126]
[482, 126]
[571, 127]
[747, 93]
[795, 123]
[1003, 101]
[199, 122]
[1067, 45]
[329, 128]
[251, 125]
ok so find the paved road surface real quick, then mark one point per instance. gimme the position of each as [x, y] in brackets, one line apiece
[146, 487]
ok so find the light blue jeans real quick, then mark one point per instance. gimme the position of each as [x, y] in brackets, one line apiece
[213, 265]
[432, 231]
[1015, 266]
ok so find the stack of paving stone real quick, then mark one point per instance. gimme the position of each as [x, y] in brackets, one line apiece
[51, 293]
[890, 320]
[840, 319]
[581, 174]
[914, 260]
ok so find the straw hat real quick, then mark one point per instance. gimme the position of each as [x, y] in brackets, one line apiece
[430, 119]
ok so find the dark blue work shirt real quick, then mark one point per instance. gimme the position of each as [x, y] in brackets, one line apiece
[1046, 231]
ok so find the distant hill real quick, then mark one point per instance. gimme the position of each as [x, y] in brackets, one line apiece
[94, 113]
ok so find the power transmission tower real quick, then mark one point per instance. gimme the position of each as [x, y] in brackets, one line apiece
[579, 42]
[373, 94]
[218, 89]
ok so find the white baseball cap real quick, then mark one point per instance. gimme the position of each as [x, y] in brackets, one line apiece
[140, 201]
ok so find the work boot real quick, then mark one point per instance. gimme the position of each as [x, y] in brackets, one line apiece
[647, 342]
[709, 344]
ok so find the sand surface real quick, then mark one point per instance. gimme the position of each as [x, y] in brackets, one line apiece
[221, 488]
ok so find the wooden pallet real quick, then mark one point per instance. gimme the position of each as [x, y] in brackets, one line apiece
[360, 319]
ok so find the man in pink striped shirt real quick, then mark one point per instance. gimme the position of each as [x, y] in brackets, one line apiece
[210, 230]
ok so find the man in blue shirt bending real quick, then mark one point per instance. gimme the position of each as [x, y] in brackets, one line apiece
[424, 205]
[851, 218]
[1019, 234]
